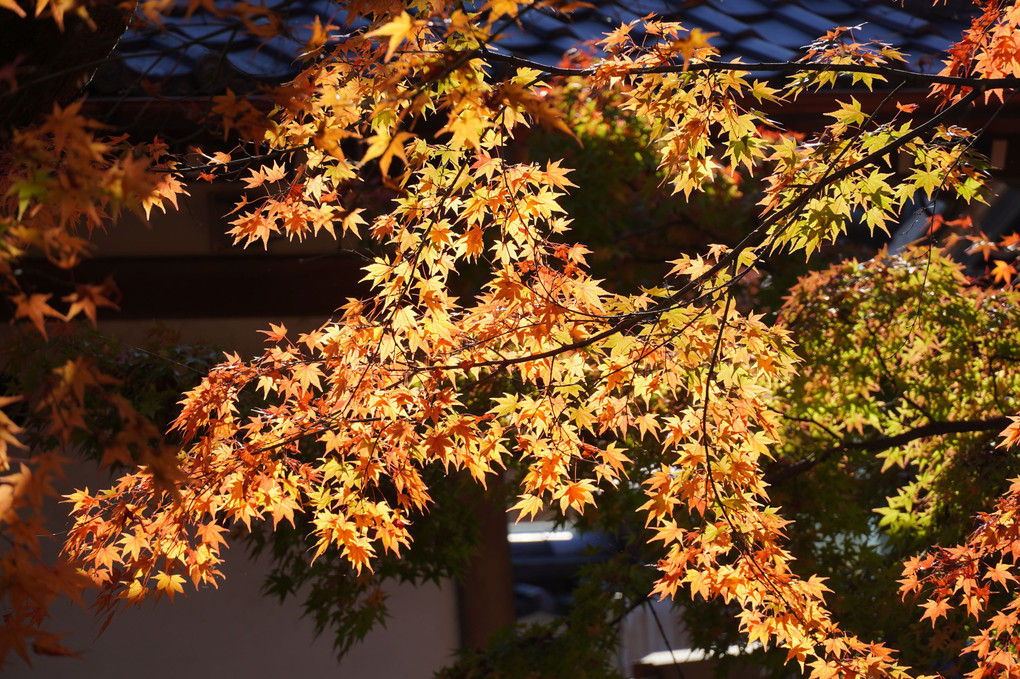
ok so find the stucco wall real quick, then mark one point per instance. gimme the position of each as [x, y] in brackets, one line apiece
[236, 632]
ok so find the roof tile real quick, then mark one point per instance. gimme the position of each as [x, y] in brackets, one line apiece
[592, 29]
[755, 30]
[546, 26]
[663, 7]
[834, 9]
[931, 43]
[744, 10]
[705, 16]
[783, 33]
[515, 41]
[896, 19]
[805, 20]
[764, 50]
[273, 59]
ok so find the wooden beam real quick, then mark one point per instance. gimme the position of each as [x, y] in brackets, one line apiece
[212, 287]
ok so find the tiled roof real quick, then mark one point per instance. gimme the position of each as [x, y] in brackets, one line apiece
[754, 30]
[202, 53]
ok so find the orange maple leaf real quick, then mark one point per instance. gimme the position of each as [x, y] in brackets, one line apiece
[576, 495]
[211, 534]
[35, 308]
[87, 299]
[935, 610]
[1003, 272]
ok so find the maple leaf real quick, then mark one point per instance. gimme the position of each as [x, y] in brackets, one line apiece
[501, 8]
[36, 309]
[14, 6]
[669, 532]
[385, 148]
[397, 30]
[283, 508]
[935, 609]
[169, 584]
[981, 244]
[556, 175]
[88, 299]
[276, 333]
[307, 375]
[211, 534]
[823, 669]
[1003, 272]
[168, 188]
[318, 38]
[134, 544]
[695, 41]
[575, 495]
[528, 506]
[1011, 434]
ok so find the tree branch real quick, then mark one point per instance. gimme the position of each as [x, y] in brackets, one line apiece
[886, 442]
[898, 74]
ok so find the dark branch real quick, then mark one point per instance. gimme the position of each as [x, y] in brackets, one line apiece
[992, 424]
[889, 72]
[65, 58]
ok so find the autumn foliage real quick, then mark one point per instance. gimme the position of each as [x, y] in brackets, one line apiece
[540, 368]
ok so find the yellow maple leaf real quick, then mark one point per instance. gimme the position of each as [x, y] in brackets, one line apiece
[499, 8]
[13, 6]
[696, 39]
[384, 147]
[170, 584]
[397, 30]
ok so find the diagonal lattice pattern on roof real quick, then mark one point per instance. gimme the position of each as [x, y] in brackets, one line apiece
[200, 53]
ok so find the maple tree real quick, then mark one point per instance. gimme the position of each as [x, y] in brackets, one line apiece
[682, 389]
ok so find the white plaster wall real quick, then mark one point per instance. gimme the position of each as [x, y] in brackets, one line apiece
[235, 631]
